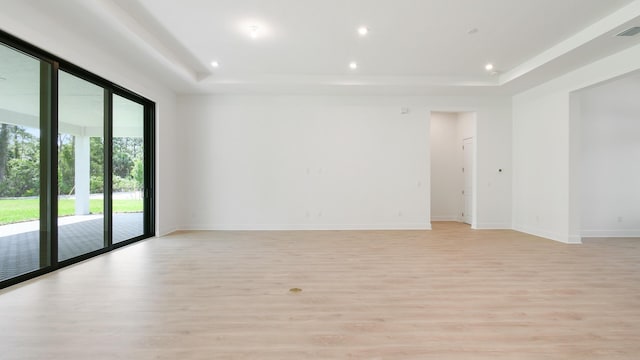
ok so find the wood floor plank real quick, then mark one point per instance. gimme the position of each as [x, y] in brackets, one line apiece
[450, 293]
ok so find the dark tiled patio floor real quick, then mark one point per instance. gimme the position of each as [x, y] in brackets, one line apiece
[19, 253]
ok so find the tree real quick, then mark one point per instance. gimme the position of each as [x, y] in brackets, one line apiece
[66, 164]
[122, 163]
[24, 179]
[4, 150]
[96, 149]
[19, 161]
[96, 168]
[138, 174]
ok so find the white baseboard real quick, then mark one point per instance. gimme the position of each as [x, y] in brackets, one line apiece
[492, 226]
[610, 233]
[547, 234]
[166, 232]
[445, 218]
[574, 239]
[288, 227]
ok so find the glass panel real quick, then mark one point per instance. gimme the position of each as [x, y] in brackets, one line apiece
[80, 167]
[128, 169]
[19, 163]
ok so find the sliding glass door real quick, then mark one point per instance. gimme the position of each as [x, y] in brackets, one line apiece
[76, 163]
[128, 159]
[20, 163]
[80, 167]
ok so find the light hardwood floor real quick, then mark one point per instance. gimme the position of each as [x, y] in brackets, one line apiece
[450, 293]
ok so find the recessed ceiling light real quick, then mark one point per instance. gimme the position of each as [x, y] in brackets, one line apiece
[489, 67]
[353, 65]
[215, 64]
[363, 30]
[254, 31]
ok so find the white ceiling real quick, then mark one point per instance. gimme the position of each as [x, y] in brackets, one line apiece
[414, 46]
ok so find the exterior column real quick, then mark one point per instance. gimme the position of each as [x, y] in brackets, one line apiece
[82, 174]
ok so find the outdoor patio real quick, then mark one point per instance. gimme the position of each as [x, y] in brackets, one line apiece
[19, 243]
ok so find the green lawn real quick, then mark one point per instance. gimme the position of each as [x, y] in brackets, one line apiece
[13, 211]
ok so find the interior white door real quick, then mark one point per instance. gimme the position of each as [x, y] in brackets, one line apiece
[467, 193]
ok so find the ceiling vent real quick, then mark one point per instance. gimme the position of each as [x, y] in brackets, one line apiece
[630, 32]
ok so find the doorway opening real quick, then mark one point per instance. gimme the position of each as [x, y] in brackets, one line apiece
[453, 157]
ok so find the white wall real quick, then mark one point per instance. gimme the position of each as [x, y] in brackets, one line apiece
[309, 163]
[324, 162]
[544, 149]
[610, 159]
[168, 190]
[23, 21]
[492, 204]
[466, 125]
[541, 166]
